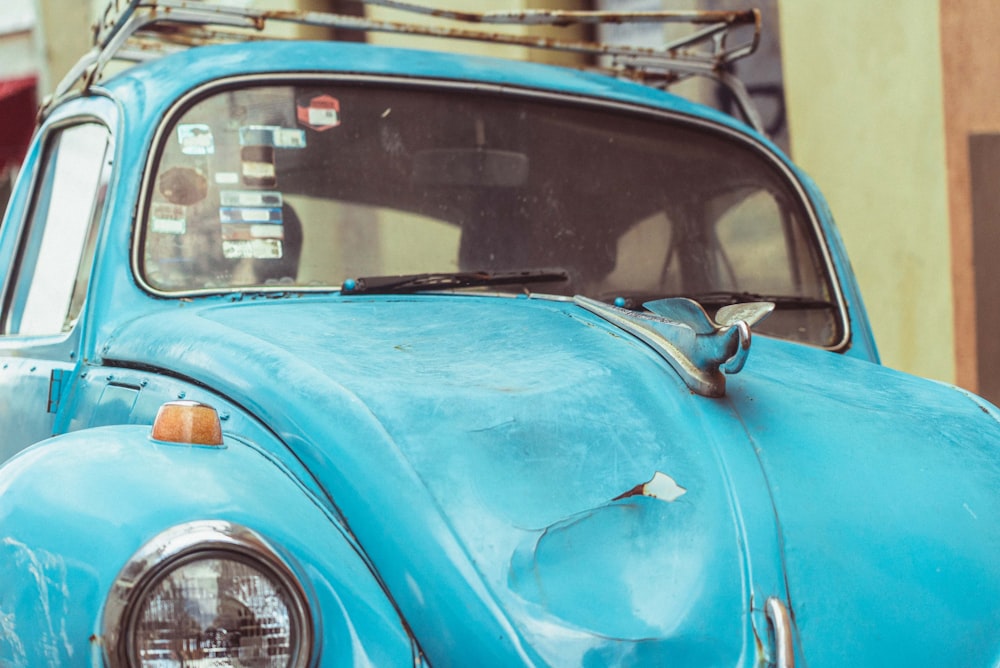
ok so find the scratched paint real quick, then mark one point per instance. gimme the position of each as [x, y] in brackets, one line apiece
[47, 602]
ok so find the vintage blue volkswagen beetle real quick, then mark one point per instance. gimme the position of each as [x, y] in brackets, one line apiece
[334, 354]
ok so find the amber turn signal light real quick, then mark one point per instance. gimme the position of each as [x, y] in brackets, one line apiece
[188, 422]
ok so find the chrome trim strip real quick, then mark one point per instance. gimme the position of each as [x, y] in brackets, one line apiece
[290, 78]
[178, 544]
[781, 623]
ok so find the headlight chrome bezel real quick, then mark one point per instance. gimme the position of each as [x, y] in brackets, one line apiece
[180, 546]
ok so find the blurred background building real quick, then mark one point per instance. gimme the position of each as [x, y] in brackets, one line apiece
[20, 63]
[890, 106]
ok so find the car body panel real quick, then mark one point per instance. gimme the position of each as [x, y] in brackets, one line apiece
[483, 433]
[123, 487]
[458, 443]
[886, 483]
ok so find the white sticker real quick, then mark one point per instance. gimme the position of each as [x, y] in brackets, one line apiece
[266, 249]
[258, 170]
[252, 249]
[272, 135]
[323, 116]
[289, 138]
[195, 139]
[167, 219]
[168, 226]
[237, 250]
[267, 231]
[255, 215]
[227, 178]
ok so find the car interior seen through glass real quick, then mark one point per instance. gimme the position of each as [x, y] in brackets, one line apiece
[314, 185]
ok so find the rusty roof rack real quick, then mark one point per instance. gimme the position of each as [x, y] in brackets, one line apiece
[135, 30]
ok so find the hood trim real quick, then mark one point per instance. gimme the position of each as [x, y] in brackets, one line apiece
[693, 344]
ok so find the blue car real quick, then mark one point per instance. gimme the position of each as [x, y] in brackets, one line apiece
[320, 353]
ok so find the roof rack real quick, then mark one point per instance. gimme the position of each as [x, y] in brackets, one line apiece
[136, 30]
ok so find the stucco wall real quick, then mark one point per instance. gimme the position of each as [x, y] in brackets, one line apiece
[864, 96]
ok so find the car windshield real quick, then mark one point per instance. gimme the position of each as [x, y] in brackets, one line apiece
[322, 185]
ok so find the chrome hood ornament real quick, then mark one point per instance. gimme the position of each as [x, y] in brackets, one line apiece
[700, 349]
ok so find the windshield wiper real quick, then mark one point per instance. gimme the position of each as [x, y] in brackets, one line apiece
[449, 281]
[726, 298]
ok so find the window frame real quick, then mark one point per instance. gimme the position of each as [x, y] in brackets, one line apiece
[17, 224]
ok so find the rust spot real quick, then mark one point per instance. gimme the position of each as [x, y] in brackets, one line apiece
[635, 491]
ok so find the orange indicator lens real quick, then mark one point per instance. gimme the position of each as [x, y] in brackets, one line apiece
[187, 422]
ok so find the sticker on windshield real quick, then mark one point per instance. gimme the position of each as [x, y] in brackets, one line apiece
[167, 219]
[233, 214]
[241, 231]
[258, 166]
[272, 135]
[252, 224]
[253, 249]
[262, 198]
[318, 112]
[195, 139]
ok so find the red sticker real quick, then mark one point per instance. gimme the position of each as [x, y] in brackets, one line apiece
[320, 112]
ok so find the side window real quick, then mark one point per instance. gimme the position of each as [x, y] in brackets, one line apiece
[57, 244]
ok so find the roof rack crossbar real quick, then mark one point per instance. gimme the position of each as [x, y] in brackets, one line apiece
[561, 18]
[703, 52]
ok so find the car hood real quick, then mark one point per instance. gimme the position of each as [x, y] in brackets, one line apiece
[533, 484]
[886, 489]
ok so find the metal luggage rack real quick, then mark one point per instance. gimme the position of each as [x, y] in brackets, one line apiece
[138, 30]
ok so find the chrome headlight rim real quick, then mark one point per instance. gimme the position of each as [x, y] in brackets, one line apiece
[181, 545]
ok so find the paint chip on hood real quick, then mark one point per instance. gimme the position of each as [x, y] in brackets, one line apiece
[661, 486]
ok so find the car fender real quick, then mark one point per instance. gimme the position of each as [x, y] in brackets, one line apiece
[76, 508]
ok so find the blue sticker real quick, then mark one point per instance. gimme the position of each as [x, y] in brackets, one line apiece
[260, 198]
[260, 215]
[272, 135]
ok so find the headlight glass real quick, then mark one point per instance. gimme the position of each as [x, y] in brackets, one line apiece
[215, 612]
[207, 594]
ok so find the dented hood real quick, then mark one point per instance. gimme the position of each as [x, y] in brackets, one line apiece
[530, 482]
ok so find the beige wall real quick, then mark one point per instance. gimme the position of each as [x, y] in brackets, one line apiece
[863, 86]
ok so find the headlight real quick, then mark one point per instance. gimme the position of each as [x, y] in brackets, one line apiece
[207, 594]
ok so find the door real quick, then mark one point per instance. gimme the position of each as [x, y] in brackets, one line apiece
[50, 245]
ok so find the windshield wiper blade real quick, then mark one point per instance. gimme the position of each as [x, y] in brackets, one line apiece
[725, 298]
[635, 301]
[449, 280]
